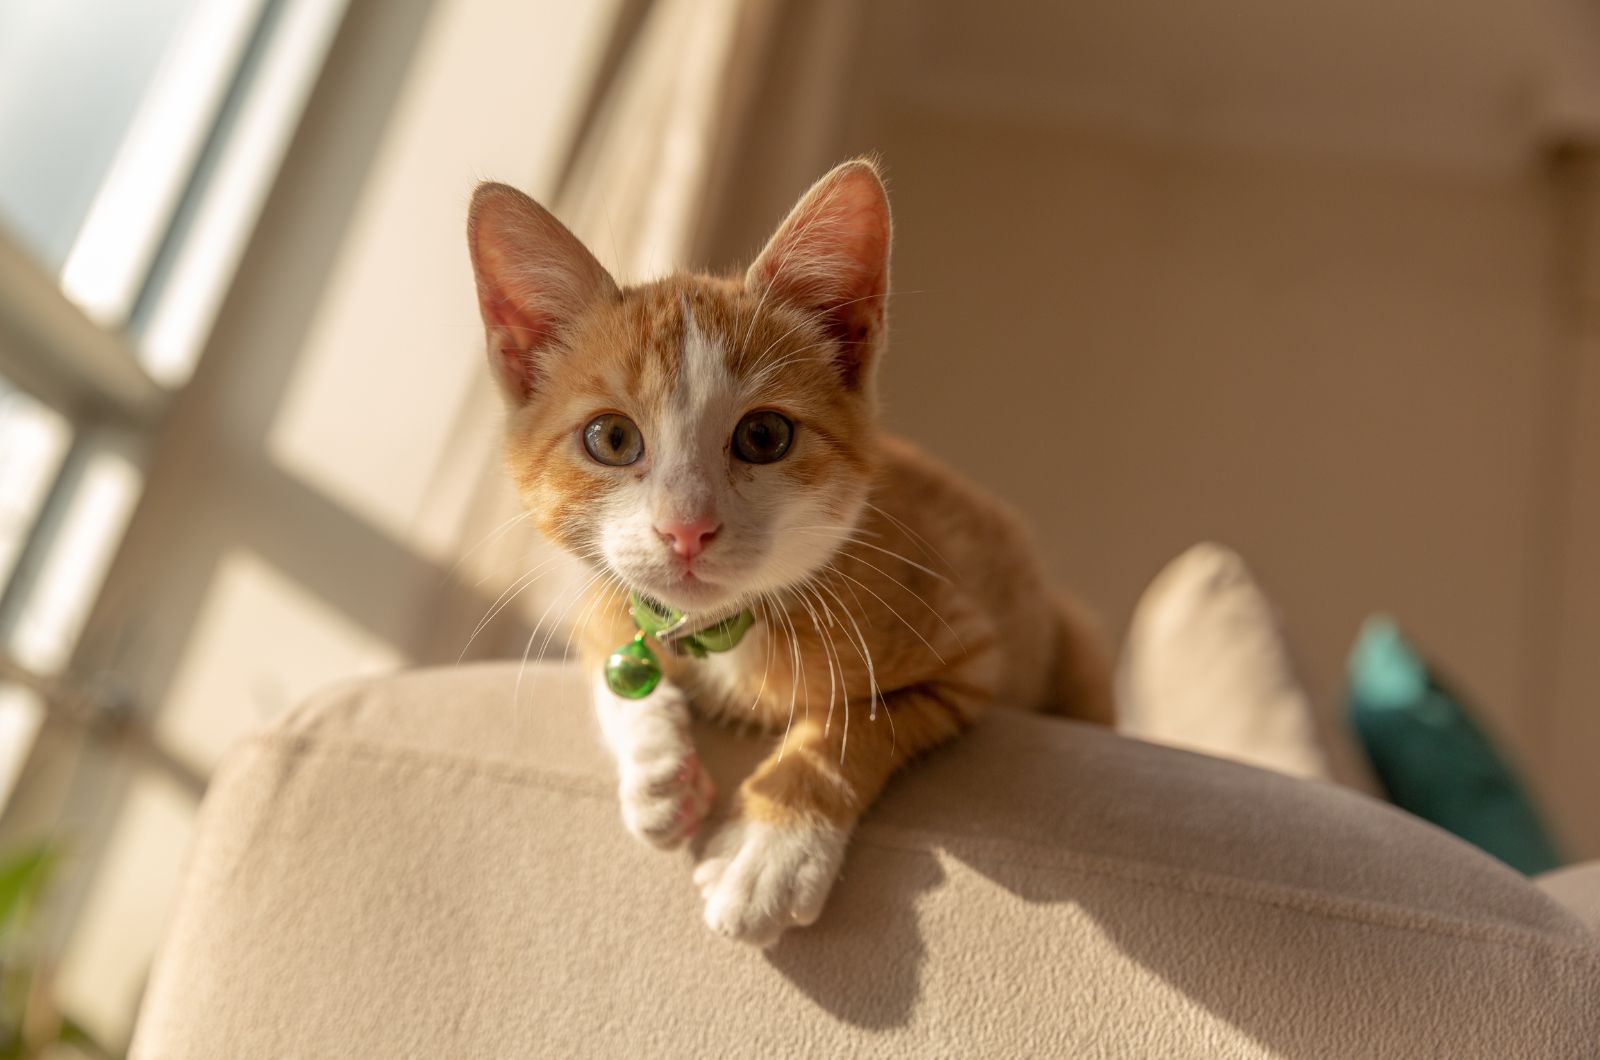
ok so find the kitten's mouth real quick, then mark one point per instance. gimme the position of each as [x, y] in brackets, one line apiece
[685, 591]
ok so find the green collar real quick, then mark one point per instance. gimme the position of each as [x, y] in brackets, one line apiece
[633, 671]
[662, 622]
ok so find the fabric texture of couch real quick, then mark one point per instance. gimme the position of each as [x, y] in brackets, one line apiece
[418, 867]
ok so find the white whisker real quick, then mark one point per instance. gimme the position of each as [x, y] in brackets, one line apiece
[865, 652]
[494, 535]
[829, 650]
[795, 677]
[596, 604]
[849, 538]
[800, 598]
[909, 592]
[916, 538]
[909, 562]
[502, 602]
[766, 665]
[516, 691]
[895, 613]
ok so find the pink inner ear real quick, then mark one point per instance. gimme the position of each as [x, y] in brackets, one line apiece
[534, 279]
[831, 256]
[833, 253]
[515, 331]
[516, 371]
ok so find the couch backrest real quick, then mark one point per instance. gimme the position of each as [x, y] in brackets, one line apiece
[421, 867]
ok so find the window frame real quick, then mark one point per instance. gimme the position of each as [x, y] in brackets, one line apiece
[109, 341]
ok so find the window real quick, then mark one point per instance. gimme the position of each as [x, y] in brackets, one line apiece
[137, 145]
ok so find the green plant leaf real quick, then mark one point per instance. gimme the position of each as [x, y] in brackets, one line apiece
[23, 875]
[73, 1033]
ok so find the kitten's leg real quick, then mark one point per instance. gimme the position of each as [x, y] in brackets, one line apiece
[663, 789]
[771, 868]
[1083, 670]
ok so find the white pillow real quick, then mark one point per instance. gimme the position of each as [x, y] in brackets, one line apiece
[1205, 668]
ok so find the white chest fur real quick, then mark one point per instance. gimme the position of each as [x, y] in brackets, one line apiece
[726, 684]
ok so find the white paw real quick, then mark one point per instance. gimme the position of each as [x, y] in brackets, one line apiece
[760, 879]
[663, 789]
[665, 795]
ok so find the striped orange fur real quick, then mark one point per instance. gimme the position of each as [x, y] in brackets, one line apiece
[894, 601]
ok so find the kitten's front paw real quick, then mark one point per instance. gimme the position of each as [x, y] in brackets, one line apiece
[663, 789]
[760, 879]
[665, 795]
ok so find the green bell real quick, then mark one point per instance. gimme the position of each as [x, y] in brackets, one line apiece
[633, 671]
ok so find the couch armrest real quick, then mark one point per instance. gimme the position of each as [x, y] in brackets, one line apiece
[425, 866]
[1577, 887]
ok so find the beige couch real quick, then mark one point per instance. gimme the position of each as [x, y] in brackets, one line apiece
[417, 867]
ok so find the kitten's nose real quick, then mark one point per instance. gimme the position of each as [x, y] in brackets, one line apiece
[688, 538]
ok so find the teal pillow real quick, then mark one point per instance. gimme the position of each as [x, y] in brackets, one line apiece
[1432, 759]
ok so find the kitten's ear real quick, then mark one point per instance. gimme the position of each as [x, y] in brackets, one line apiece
[831, 256]
[534, 278]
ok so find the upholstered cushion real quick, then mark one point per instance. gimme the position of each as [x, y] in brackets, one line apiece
[1578, 888]
[426, 866]
[1206, 668]
[1433, 758]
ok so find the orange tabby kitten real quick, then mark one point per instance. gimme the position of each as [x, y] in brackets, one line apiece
[712, 444]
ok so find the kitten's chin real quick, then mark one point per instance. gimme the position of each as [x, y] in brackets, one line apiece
[689, 595]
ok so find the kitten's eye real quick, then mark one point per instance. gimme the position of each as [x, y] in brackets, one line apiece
[613, 439]
[762, 437]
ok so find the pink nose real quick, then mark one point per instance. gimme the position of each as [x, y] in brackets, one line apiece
[688, 538]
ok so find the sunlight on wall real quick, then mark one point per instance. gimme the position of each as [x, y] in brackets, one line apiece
[104, 968]
[262, 643]
[397, 346]
[21, 715]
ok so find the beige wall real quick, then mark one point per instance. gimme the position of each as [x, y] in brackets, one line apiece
[1352, 366]
[1570, 736]
[1337, 370]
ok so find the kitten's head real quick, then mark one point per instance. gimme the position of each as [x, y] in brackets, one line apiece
[705, 439]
